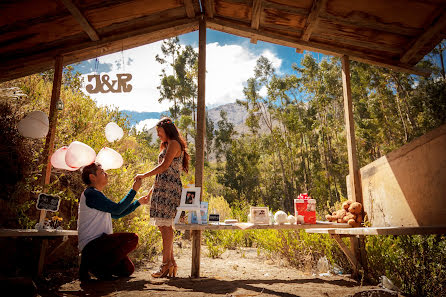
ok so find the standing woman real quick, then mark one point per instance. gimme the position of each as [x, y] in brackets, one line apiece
[167, 189]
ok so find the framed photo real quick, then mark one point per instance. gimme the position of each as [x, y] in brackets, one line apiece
[190, 197]
[203, 212]
[259, 215]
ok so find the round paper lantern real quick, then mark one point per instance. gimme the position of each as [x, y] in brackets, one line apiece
[58, 159]
[34, 125]
[280, 217]
[113, 132]
[79, 154]
[109, 158]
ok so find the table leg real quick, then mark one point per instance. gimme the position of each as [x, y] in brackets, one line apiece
[196, 250]
[42, 256]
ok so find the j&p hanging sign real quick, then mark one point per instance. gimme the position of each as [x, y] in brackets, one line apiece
[103, 84]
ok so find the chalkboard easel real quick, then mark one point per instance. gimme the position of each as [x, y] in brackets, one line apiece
[48, 202]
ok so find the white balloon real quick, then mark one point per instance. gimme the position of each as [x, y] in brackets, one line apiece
[58, 159]
[109, 158]
[291, 219]
[34, 125]
[280, 217]
[113, 132]
[79, 154]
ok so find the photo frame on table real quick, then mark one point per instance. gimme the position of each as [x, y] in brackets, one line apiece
[259, 215]
[190, 197]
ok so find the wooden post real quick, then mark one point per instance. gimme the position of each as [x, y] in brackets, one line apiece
[199, 140]
[49, 143]
[355, 183]
[49, 146]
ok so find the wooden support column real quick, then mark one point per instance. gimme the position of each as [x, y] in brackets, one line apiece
[353, 168]
[49, 147]
[199, 140]
[49, 142]
[355, 182]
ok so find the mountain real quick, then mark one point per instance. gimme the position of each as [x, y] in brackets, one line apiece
[235, 114]
[135, 116]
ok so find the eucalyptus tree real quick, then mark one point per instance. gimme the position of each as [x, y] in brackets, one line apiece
[179, 84]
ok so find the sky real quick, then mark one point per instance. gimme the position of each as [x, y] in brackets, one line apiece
[230, 61]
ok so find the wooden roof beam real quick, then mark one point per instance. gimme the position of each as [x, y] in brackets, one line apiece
[190, 10]
[209, 8]
[245, 31]
[80, 18]
[114, 40]
[255, 20]
[432, 32]
[312, 18]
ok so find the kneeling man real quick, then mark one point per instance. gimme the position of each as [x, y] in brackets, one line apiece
[104, 253]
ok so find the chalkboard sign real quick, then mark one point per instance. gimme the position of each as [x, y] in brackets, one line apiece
[47, 202]
[214, 217]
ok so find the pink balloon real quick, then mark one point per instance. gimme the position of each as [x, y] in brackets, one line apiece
[58, 159]
[109, 158]
[79, 154]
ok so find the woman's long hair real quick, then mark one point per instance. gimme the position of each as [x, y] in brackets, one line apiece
[173, 134]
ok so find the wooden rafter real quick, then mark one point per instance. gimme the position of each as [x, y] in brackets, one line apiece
[285, 8]
[80, 18]
[312, 18]
[246, 31]
[255, 19]
[356, 21]
[426, 37]
[115, 38]
[209, 8]
[190, 10]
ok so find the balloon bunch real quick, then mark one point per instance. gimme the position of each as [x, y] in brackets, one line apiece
[78, 154]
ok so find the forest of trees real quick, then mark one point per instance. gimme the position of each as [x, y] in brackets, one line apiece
[297, 139]
[296, 142]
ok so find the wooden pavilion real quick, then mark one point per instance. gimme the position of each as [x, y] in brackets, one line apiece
[36, 35]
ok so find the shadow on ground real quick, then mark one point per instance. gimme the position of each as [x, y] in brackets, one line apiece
[179, 286]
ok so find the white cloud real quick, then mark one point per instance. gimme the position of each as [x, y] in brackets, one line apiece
[149, 123]
[228, 68]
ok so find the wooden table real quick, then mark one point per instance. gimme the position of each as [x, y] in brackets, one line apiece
[44, 235]
[197, 229]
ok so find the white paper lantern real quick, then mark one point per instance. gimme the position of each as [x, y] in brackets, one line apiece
[109, 158]
[291, 219]
[113, 132]
[34, 125]
[79, 154]
[280, 217]
[58, 159]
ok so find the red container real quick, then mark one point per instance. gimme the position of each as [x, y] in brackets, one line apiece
[305, 206]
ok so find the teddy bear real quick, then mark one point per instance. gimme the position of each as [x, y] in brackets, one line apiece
[350, 213]
[354, 215]
[339, 215]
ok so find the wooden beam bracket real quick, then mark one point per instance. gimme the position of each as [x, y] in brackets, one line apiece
[255, 19]
[312, 18]
[77, 14]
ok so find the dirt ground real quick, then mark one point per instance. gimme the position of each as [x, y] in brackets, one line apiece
[238, 273]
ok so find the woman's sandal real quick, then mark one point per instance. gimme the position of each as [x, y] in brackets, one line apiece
[166, 269]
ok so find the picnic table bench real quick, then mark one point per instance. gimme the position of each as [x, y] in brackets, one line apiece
[44, 235]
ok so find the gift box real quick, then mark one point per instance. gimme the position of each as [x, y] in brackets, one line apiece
[306, 207]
